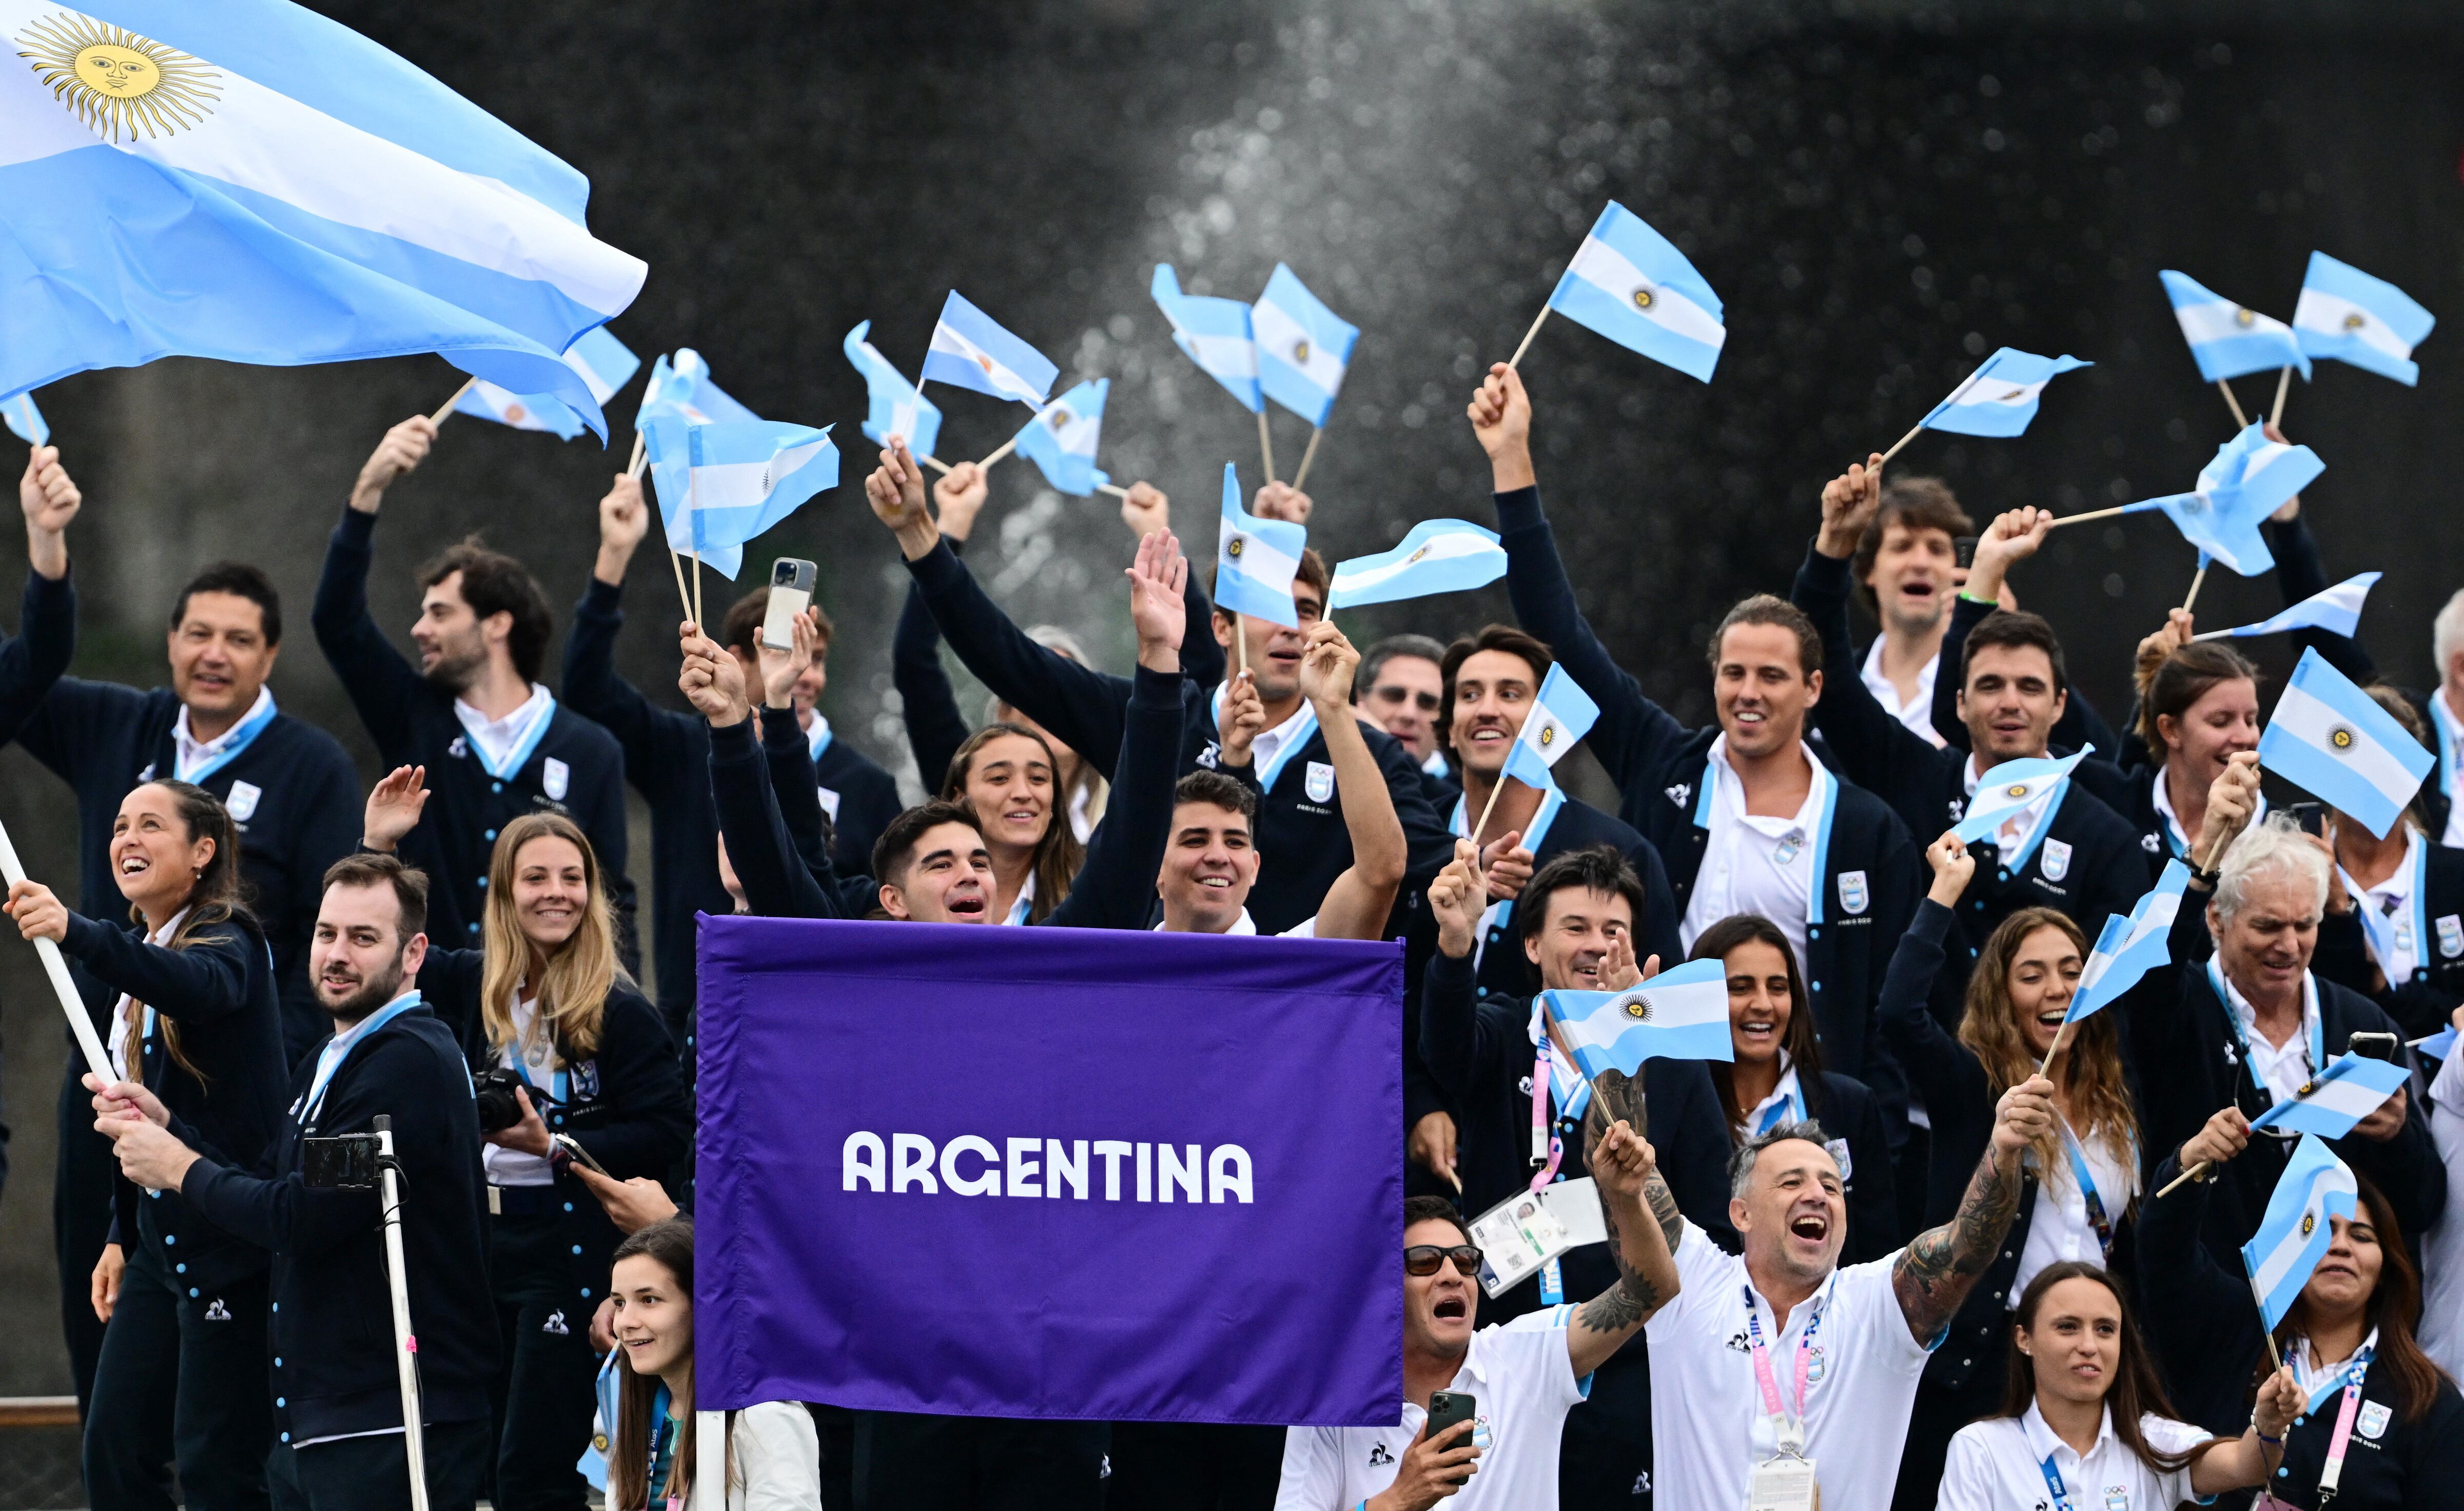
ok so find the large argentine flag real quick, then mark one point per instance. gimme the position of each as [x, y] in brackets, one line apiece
[2333, 741]
[2230, 339]
[605, 364]
[2315, 1189]
[1439, 556]
[25, 421]
[1631, 285]
[2000, 397]
[721, 485]
[2132, 946]
[1061, 439]
[2347, 314]
[1218, 335]
[897, 407]
[1678, 1014]
[1303, 346]
[1561, 714]
[2348, 1089]
[1256, 560]
[971, 350]
[2337, 611]
[2010, 787]
[251, 182]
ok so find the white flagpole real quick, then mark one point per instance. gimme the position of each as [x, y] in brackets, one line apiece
[1516, 360]
[57, 966]
[405, 1342]
[2283, 383]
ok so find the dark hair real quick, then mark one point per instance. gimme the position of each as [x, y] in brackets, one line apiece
[1228, 793]
[218, 895]
[240, 580]
[1594, 868]
[1764, 608]
[1913, 503]
[368, 869]
[2014, 629]
[1748, 1150]
[1801, 1041]
[494, 583]
[1418, 647]
[1433, 1209]
[1514, 642]
[670, 1245]
[1057, 854]
[1312, 572]
[2394, 1308]
[2136, 1388]
[2171, 683]
[741, 628]
[895, 850]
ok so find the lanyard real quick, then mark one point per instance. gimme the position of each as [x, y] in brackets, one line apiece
[519, 755]
[2382, 930]
[2450, 743]
[1302, 727]
[1018, 909]
[2054, 1484]
[2315, 1024]
[1788, 1430]
[367, 1030]
[662, 1430]
[2333, 1473]
[233, 742]
[819, 739]
[2089, 1196]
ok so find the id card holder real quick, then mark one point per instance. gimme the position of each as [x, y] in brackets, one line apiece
[1516, 1238]
[1576, 1203]
[1783, 1483]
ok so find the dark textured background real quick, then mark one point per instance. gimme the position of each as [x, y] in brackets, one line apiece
[1879, 192]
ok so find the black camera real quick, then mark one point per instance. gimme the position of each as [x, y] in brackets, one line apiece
[348, 1163]
[494, 1090]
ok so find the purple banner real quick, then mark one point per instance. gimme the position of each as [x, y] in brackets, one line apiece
[1049, 1172]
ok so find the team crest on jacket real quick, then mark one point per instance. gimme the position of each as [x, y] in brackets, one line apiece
[1679, 793]
[1854, 897]
[2451, 936]
[585, 1081]
[461, 748]
[1320, 784]
[2057, 860]
[2373, 1420]
[242, 801]
[555, 777]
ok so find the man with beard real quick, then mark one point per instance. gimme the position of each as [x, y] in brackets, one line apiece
[337, 1408]
[496, 744]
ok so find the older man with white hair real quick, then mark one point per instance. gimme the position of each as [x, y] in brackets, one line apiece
[2442, 710]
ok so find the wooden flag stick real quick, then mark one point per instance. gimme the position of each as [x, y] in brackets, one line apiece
[2283, 384]
[2061, 1036]
[1516, 360]
[1307, 456]
[2232, 404]
[2274, 1357]
[1112, 488]
[684, 594]
[641, 450]
[440, 416]
[1487, 808]
[55, 966]
[936, 463]
[998, 452]
[1965, 385]
[2196, 1173]
[2091, 513]
[1265, 442]
[1241, 641]
[2193, 597]
[696, 596]
[1914, 431]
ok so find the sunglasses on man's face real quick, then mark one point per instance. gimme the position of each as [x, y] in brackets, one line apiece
[1424, 1259]
[1395, 697]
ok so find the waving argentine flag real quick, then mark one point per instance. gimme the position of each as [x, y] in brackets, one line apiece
[2332, 1105]
[605, 364]
[2333, 741]
[1218, 335]
[1678, 1014]
[683, 388]
[1631, 285]
[2011, 786]
[24, 420]
[1303, 346]
[1256, 560]
[2346, 314]
[1061, 439]
[251, 182]
[721, 484]
[899, 408]
[2249, 478]
[2337, 611]
[2000, 397]
[1561, 715]
[971, 350]
[2315, 1189]
[2132, 946]
[1439, 556]
[2230, 339]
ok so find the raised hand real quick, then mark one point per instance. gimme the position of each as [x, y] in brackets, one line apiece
[895, 490]
[1501, 418]
[959, 494]
[1456, 900]
[2225, 1135]
[404, 448]
[2232, 799]
[712, 678]
[1328, 664]
[1849, 504]
[1244, 714]
[780, 669]
[1158, 585]
[2290, 507]
[1146, 509]
[2169, 637]
[2024, 1115]
[624, 520]
[2012, 537]
[393, 807]
[1622, 1163]
[1953, 868]
[40, 913]
[1618, 969]
[1281, 500]
[51, 500]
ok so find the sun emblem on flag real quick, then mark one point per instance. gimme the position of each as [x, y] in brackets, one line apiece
[2340, 737]
[2309, 1223]
[1645, 299]
[2355, 319]
[2015, 790]
[1547, 735]
[985, 363]
[116, 81]
[1416, 556]
[2244, 317]
[1060, 418]
[1299, 351]
[1235, 548]
[1638, 1009]
[516, 413]
[2013, 396]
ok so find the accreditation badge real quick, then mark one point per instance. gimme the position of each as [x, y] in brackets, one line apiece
[1783, 1483]
[1516, 1238]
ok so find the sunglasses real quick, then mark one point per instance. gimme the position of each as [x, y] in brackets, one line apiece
[1395, 697]
[1424, 1259]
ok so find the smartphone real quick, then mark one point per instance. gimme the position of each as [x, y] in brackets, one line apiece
[1446, 1407]
[1963, 552]
[2376, 1046]
[791, 592]
[573, 1146]
[2311, 817]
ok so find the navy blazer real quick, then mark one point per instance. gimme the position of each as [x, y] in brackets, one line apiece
[2421, 1003]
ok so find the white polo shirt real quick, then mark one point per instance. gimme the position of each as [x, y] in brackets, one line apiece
[1753, 864]
[1306, 928]
[2000, 1463]
[1917, 713]
[1708, 1428]
[1522, 1383]
[2058, 1228]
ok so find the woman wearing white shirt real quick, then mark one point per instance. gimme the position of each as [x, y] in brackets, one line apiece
[2083, 1420]
[1009, 775]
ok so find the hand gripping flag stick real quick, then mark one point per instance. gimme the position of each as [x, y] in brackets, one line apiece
[57, 966]
[405, 1350]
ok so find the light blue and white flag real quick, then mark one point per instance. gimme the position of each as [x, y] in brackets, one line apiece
[2436, 1046]
[1678, 1014]
[1561, 714]
[2333, 1103]
[2130, 946]
[2000, 397]
[1303, 346]
[2315, 1189]
[1256, 560]
[1218, 335]
[683, 388]
[897, 407]
[25, 421]
[1631, 285]
[252, 182]
[2337, 611]
[1061, 439]
[2346, 314]
[2333, 741]
[2011, 786]
[2227, 338]
[721, 484]
[1437, 556]
[606, 365]
[971, 350]
[2248, 478]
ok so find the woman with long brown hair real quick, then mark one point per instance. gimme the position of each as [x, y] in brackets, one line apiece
[198, 1021]
[574, 1064]
[1009, 775]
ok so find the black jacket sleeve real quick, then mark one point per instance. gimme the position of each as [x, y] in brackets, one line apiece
[936, 729]
[651, 1123]
[206, 981]
[777, 880]
[1115, 887]
[595, 689]
[796, 789]
[1082, 708]
[33, 659]
[1202, 659]
[1450, 1031]
[1943, 1069]
[1869, 743]
[383, 685]
[2300, 574]
[2200, 1318]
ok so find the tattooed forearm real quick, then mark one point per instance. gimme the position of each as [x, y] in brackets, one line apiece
[1615, 1099]
[1663, 1207]
[1935, 1274]
[1622, 1306]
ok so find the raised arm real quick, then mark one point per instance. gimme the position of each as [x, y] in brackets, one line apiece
[1357, 904]
[1869, 743]
[1624, 1171]
[1944, 1071]
[205, 981]
[32, 662]
[381, 680]
[1935, 1272]
[2299, 575]
[1146, 509]
[592, 685]
[777, 880]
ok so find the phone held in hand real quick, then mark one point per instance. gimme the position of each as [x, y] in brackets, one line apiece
[1446, 1407]
[791, 592]
[2311, 817]
[1963, 552]
[2372, 1046]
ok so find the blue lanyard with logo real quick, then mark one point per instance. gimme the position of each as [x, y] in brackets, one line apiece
[2451, 742]
[1789, 1432]
[2350, 1376]
[1303, 726]
[519, 755]
[2089, 1196]
[365, 1031]
[2054, 1484]
[1547, 1076]
[2232, 1020]
[235, 741]
[2384, 933]
[662, 1448]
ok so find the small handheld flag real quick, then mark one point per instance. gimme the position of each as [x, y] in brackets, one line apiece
[1560, 715]
[2315, 1189]
[2436, 1046]
[2337, 611]
[2227, 339]
[1061, 439]
[2333, 1103]
[1630, 283]
[1256, 560]
[2248, 478]
[2346, 314]
[604, 366]
[2011, 786]
[2000, 397]
[896, 406]
[971, 350]
[1217, 334]
[1439, 556]
[1303, 346]
[721, 484]
[2333, 741]
[1678, 1014]
[25, 421]
[683, 387]
[2131, 946]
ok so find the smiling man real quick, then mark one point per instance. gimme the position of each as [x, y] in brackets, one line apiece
[1906, 565]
